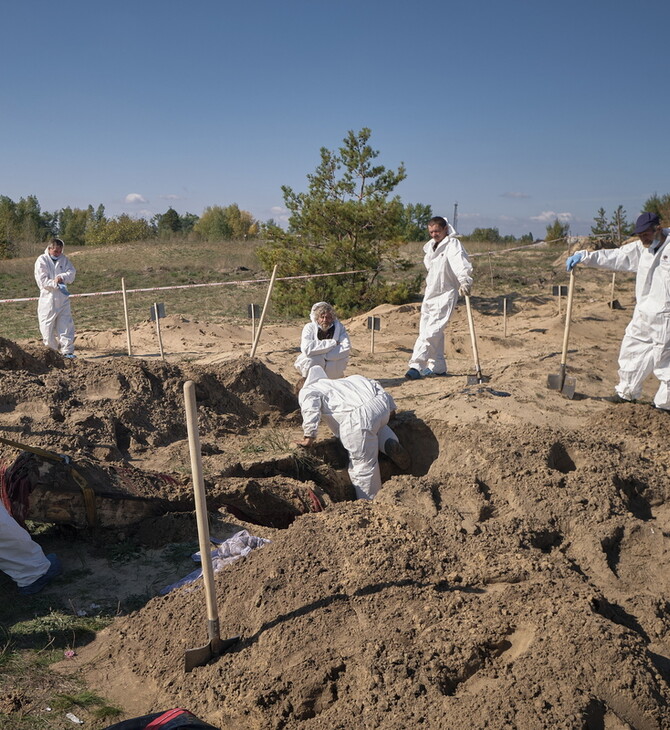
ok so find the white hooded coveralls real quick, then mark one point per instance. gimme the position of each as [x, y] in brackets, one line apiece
[645, 347]
[357, 410]
[331, 354]
[448, 268]
[53, 308]
[20, 556]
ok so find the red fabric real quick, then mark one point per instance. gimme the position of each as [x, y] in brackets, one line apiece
[17, 484]
[3, 488]
[316, 502]
[163, 719]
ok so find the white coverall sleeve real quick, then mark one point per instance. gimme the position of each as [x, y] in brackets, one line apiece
[342, 347]
[42, 276]
[626, 258]
[310, 407]
[311, 345]
[69, 272]
[460, 264]
[389, 398]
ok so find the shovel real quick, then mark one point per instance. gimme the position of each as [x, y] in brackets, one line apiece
[216, 646]
[560, 381]
[478, 378]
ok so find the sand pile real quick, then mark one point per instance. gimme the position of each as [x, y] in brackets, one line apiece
[488, 593]
[517, 578]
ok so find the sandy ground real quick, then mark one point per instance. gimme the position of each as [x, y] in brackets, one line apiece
[516, 578]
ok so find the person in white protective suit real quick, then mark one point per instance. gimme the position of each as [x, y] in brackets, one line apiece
[357, 410]
[22, 558]
[645, 347]
[53, 272]
[324, 342]
[449, 275]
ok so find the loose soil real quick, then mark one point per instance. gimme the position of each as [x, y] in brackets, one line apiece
[518, 577]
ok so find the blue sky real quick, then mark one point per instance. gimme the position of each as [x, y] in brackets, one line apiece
[520, 111]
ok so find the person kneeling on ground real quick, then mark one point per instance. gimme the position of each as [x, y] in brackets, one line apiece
[645, 347]
[357, 410]
[324, 342]
[22, 558]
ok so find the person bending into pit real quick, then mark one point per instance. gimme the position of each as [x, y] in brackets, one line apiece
[645, 347]
[53, 272]
[324, 342]
[357, 410]
[22, 558]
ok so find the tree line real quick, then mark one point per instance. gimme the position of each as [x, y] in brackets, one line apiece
[611, 232]
[25, 221]
[347, 220]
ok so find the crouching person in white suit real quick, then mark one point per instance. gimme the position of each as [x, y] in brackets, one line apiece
[357, 410]
[22, 558]
[324, 342]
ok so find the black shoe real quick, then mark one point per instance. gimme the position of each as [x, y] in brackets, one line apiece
[413, 374]
[658, 408]
[55, 569]
[398, 455]
[616, 398]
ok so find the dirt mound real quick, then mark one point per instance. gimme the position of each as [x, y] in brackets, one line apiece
[109, 416]
[512, 587]
[518, 577]
[32, 358]
[122, 407]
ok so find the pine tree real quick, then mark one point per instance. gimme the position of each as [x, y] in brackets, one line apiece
[346, 221]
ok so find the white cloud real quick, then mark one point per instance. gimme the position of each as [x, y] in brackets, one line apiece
[546, 216]
[514, 195]
[279, 214]
[135, 198]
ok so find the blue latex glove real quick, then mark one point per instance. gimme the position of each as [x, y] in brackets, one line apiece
[63, 288]
[573, 261]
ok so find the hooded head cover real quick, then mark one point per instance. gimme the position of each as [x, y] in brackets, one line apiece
[315, 373]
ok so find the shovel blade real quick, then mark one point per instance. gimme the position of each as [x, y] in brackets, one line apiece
[201, 655]
[569, 386]
[477, 379]
[555, 381]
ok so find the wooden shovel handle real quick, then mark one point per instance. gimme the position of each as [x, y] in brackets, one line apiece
[473, 339]
[568, 317]
[265, 306]
[201, 508]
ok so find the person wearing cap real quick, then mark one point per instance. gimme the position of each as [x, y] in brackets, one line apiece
[357, 410]
[324, 342]
[645, 348]
[449, 275]
[53, 272]
[22, 558]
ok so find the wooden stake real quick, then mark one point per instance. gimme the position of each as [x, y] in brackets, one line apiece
[265, 306]
[125, 313]
[504, 316]
[158, 330]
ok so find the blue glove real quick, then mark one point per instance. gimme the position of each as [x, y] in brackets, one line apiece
[63, 288]
[573, 261]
